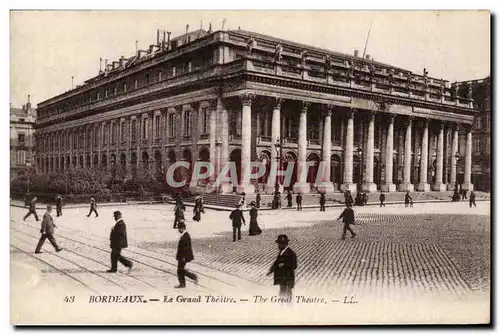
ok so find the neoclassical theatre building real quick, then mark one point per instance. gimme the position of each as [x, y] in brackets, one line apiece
[241, 96]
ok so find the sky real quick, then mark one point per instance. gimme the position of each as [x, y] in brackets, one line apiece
[49, 47]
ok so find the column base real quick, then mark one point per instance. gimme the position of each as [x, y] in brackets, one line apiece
[451, 187]
[439, 187]
[369, 187]
[326, 187]
[423, 187]
[225, 188]
[468, 186]
[270, 189]
[406, 187]
[245, 188]
[303, 188]
[349, 187]
[388, 188]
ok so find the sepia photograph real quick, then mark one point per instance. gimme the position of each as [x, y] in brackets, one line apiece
[192, 167]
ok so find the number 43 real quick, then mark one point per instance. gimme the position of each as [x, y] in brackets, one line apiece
[69, 299]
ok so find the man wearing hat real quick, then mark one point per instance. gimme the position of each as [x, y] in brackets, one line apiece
[184, 256]
[47, 231]
[237, 217]
[284, 267]
[93, 207]
[32, 209]
[347, 217]
[118, 241]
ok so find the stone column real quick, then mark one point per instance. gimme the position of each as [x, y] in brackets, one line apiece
[454, 150]
[275, 137]
[406, 185]
[423, 185]
[389, 185]
[348, 154]
[224, 150]
[302, 186]
[467, 185]
[213, 138]
[246, 144]
[369, 185]
[438, 185]
[327, 185]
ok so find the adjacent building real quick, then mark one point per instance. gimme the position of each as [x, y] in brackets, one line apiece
[241, 96]
[481, 132]
[22, 122]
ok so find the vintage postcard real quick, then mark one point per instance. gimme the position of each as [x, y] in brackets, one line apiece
[250, 167]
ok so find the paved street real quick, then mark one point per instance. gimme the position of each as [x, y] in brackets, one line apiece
[399, 254]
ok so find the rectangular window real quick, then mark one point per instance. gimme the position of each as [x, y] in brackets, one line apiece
[337, 131]
[122, 131]
[160, 75]
[135, 83]
[477, 145]
[134, 130]
[157, 126]
[81, 139]
[205, 120]
[21, 138]
[187, 123]
[113, 133]
[145, 123]
[171, 125]
[21, 157]
[478, 122]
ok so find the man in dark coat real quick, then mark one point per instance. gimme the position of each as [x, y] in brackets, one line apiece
[408, 199]
[322, 201]
[184, 256]
[284, 267]
[472, 199]
[178, 212]
[47, 232]
[237, 218]
[347, 217]
[32, 209]
[299, 201]
[382, 200]
[257, 199]
[59, 205]
[289, 199]
[118, 241]
[93, 207]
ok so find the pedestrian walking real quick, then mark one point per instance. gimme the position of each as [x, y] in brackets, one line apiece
[408, 199]
[472, 199]
[254, 228]
[364, 198]
[348, 198]
[322, 201]
[47, 231]
[118, 242]
[237, 218]
[257, 199]
[93, 207]
[198, 208]
[347, 217]
[289, 199]
[184, 256]
[59, 200]
[243, 201]
[382, 200]
[32, 209]
[178, 212]
[299, 201]
[464, 194]
[284, 268]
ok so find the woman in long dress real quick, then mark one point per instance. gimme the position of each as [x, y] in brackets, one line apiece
[198, 208]
[254, 228]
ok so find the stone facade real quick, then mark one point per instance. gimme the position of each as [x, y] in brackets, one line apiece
[22, 121]
[240, 96]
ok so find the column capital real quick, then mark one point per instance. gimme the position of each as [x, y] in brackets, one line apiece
[277, 101]
[213, 104]
[391, 116]
[409, 121]
[305, 106]
[246, 99]
[178, 109]
[441, 125]
[194, 105]
[384, 105]
[350, 113]
[467, 127]
[372, 115]
[425, 122]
